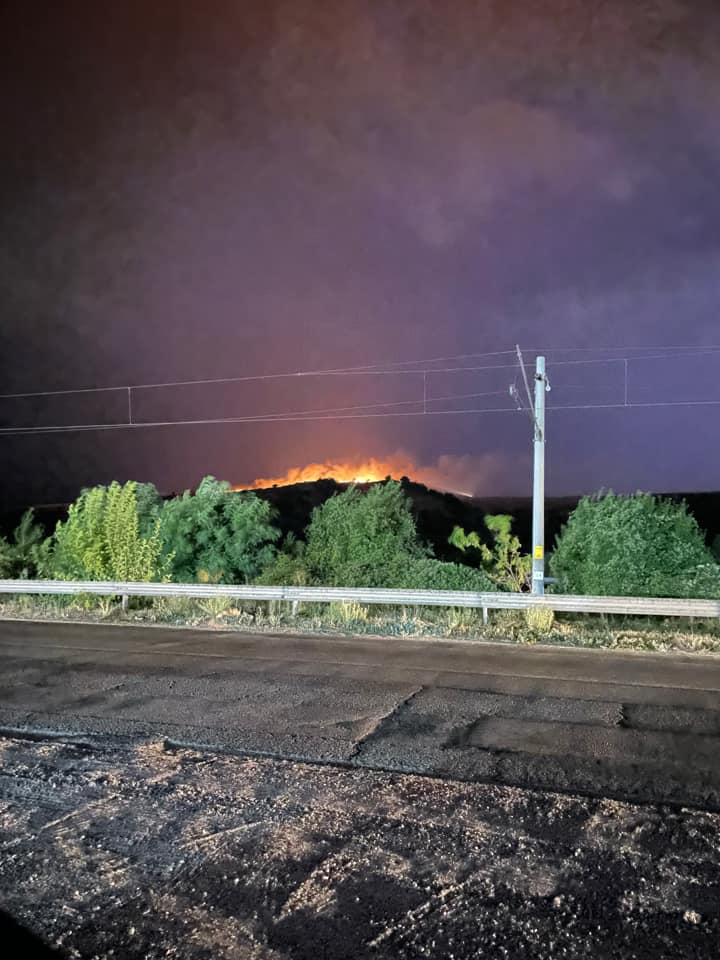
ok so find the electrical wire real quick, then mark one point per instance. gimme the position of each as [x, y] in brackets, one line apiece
[636, 405]
[204, 382]
[302, 418]
[79, 428]
[459, 356]
[352, 412]
[633, 359]
[367, 370]
[625, 349]
[261, 418]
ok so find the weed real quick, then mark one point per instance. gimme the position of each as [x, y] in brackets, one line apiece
[540, 620]
[462, 620]
[346, 612]
[214, 607]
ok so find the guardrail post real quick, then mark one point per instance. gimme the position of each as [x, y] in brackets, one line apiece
[485, 616]
[124, 602]
[294, 608]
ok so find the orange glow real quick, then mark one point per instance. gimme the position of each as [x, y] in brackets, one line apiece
[362, 471]
[370, 470]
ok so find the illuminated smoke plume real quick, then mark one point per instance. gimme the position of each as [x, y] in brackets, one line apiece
[465, 475]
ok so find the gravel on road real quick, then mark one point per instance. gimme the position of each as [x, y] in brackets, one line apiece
[145, 850]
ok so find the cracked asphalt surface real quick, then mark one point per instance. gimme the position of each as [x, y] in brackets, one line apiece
[197, 794]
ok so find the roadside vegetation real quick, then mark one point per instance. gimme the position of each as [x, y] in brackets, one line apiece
[637, 545]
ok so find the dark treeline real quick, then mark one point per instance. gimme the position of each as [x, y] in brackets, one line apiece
[436, 513]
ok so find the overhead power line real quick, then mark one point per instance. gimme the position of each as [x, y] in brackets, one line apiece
[123, 388]
[378, 369]
[79, 428]
[357, 411]
[224, 380]
[300, 417]
[331, 412]
[366, 370]
[629, 359]
[390, 363]
[625, 349]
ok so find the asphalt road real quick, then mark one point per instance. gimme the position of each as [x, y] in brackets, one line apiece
[631, 726]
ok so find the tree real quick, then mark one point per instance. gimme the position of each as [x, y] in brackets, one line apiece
[28, 538]
[20, 558]
[100, 540]
[358, 539]
[6, 558]
[217, 535]
[131, 557]
[638, 545]
[715, 547]
[149, 504]
[505, 563]
[79, 548]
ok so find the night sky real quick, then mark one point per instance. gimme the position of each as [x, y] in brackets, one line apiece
[204, 190]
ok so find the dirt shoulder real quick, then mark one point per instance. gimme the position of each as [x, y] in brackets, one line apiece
[150, 852]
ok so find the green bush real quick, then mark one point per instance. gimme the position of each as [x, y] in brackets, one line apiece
[6, 558]
[100, 539]
[506, 564]
[288, 567]
[425, 573]
[638, 545]
[285, 571]
[702, 582]
[22, 558]
[216, 535]
[149, 505]
[358, 539]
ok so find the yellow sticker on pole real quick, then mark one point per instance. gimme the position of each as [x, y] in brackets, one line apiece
[538, 553]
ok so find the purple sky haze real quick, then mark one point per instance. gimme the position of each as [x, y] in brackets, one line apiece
[193, 190]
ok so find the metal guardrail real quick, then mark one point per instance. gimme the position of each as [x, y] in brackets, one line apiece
[643, 606]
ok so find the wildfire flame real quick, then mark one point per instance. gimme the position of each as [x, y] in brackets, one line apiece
[371, 470]
[364, 471]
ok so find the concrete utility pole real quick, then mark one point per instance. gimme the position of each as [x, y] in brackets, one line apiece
[537, 415]
[538, 522]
